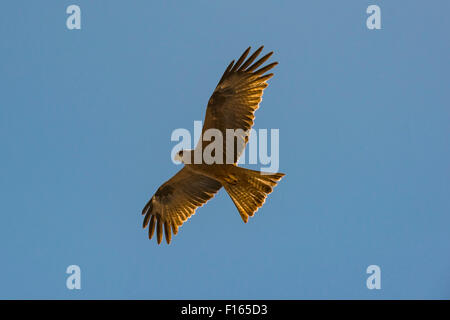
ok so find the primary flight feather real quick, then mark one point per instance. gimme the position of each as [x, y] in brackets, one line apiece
[231, 106]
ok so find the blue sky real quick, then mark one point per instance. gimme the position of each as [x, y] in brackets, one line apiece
[85, 123]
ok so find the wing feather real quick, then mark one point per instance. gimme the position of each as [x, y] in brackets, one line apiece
[241, 59]
[251, 59]
[151, 228]
[176, 201]
[234, 101]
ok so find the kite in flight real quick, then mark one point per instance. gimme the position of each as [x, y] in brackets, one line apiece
[231, 106]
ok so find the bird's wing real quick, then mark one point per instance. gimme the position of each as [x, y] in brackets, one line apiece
[176, 200]
[234, 101]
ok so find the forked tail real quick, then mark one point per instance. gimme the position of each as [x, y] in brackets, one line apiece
[248, 189]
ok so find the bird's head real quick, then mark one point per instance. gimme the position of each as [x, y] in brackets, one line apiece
[184, 156]
[179, 156]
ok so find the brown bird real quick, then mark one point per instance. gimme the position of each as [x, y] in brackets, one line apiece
[231, 106]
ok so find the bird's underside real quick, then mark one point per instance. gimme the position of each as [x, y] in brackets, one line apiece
[231, 106]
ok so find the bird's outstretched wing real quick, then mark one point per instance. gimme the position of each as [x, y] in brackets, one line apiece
[234, 101]
[176, 200]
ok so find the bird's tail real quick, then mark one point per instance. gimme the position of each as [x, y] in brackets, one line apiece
[248, 189]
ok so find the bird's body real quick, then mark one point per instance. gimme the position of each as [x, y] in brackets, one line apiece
[231, 106]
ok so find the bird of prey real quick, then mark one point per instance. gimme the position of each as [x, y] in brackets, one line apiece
[231, 106]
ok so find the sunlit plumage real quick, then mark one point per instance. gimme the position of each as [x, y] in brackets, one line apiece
[231, 106]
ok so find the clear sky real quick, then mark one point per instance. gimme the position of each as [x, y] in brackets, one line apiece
[85, 123]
